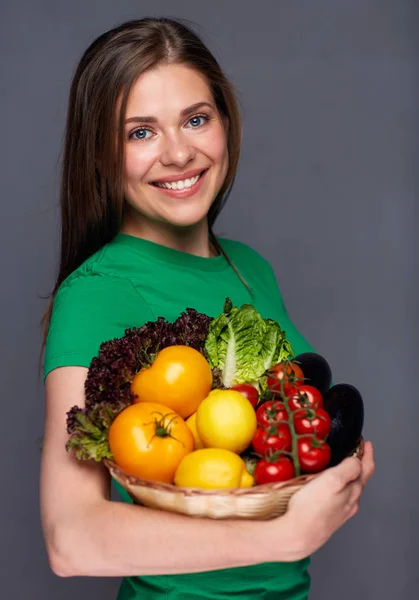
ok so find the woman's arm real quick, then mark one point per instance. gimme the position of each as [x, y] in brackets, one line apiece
[88, 535]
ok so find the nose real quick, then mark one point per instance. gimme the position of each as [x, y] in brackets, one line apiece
[177, 151]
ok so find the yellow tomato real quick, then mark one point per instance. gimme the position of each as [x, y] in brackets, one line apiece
[149, 440]
[179, 378]
[226, 419]
[191, 423]
[211, 469]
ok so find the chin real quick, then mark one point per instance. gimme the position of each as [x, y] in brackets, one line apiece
[186, 222]
[187, 217]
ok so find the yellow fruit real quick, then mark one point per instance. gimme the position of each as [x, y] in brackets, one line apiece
[246, 480]
[191, 423]
[212, 469]
[226, 419]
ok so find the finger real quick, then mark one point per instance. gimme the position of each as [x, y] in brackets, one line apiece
[345, 472]
[368, 463]
[353, 511]
[356, 491]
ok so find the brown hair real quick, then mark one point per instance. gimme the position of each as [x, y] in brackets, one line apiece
[91, 194]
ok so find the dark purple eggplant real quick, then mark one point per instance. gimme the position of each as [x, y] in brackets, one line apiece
[316, 370]
[345, 406]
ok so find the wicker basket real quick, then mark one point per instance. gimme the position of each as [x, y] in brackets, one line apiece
[260, 502]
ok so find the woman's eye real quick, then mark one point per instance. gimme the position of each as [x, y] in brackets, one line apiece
[197, 120]
[140, 134]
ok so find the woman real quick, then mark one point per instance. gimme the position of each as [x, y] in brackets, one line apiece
[151, 151]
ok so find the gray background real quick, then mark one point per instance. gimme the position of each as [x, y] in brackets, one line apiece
[327, 190]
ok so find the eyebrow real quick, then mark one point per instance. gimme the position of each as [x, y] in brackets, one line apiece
[184, 113]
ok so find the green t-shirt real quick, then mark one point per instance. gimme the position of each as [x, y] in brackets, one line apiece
[129, 282]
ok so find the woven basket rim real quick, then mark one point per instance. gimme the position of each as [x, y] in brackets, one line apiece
[265, 488]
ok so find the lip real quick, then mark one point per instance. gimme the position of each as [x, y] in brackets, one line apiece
[179, 177]
[186, 192]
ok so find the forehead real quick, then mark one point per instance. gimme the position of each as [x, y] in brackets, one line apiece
[167, 89]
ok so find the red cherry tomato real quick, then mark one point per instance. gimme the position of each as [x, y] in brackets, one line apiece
[314, 455]
[306, 396]
[312, 421]
[287, 372]
[271, 412]
[275, 438]
[288, 391]
[267, 471]
[248, 391]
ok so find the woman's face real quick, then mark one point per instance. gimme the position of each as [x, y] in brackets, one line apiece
[174, 138]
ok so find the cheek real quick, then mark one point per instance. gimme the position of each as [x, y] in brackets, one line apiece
[217, 147]
[137, 163]
[222, 153]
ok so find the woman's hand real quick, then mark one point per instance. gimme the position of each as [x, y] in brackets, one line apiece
[323, 505]
[88, 535]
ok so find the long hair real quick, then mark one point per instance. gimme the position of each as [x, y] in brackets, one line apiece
[91, 195]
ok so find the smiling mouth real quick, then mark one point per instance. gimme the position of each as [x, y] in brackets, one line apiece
[182, 184]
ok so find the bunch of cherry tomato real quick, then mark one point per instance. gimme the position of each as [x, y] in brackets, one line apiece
[293, 426]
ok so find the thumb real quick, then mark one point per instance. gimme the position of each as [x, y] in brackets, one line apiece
[348, 470]
[368, 463]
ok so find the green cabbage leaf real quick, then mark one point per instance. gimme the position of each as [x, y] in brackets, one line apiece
[243, 345]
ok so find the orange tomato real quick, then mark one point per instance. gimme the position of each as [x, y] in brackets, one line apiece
[179, 378]
[149, 440]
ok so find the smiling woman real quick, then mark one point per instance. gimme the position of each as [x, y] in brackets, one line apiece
[151, 151]
[176, 163]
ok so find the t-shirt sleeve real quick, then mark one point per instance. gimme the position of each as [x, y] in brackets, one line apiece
[90, 309]
[298, 341]
[261, 271]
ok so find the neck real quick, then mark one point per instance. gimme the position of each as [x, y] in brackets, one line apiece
[193, 240]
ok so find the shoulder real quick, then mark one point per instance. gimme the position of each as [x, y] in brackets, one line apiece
[98, 290]
[92, 305]
[241, 252]
[103, 274]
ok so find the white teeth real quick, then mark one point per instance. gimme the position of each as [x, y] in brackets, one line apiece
[179, 185]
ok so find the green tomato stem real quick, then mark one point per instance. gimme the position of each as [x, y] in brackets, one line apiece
[294, 436]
